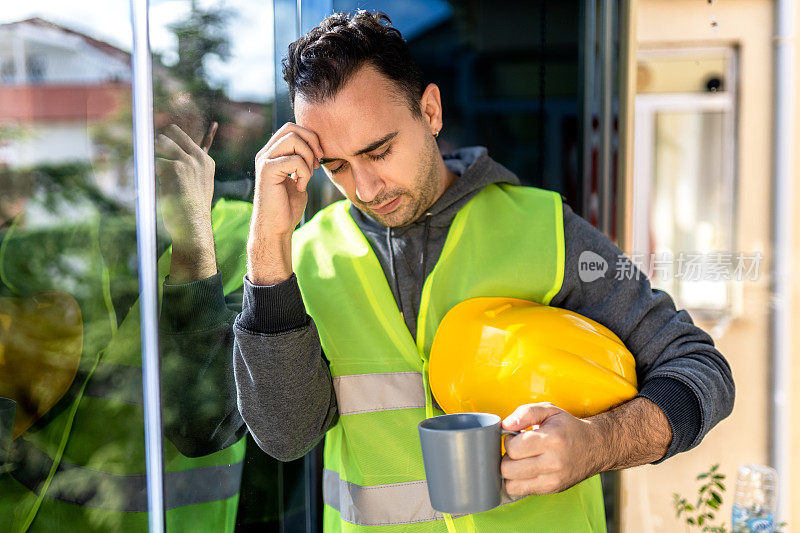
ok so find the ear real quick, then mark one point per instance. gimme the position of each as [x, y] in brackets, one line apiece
[431, 106]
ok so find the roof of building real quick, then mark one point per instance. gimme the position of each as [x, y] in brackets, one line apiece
[102, 46]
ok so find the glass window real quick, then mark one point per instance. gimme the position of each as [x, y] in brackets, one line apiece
[36, 67]
[213, 85]
[71, 421]
[684, 185]
[72, 455]
[7, 70]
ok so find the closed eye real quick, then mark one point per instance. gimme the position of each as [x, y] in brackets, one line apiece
[382, 155]
[374, 157]
[339, 168]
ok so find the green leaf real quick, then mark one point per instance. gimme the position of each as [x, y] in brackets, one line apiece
[700, 520]
[720, 485]
[715, 495]
[690, 521]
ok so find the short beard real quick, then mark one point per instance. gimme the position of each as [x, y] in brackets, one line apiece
[428, 179]
[425, 188]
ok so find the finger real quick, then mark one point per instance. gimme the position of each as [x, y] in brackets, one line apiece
[531, 414]
[544, 484]
[526, 444]
[166, 148]
[281, 168]
[182, 139]
[308, 136]
[528, 467]
[292, 143]
[209, 137]
[302, 183]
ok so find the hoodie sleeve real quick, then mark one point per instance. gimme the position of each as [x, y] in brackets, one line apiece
[260, 369]
[200, 413]
[677, 365]
[283, 382]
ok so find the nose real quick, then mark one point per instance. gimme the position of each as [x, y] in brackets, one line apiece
[368, 185]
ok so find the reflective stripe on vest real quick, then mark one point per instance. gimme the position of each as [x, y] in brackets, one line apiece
[382, 505]
[369, 393]
[376, 451]
[123, 492]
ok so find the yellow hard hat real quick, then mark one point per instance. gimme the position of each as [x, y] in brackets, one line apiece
[494, 354]
[41, 339]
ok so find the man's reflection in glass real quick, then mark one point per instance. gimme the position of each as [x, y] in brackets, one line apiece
[70, 371]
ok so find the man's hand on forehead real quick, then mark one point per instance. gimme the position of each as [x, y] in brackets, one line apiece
[304, 141]
[283, 168]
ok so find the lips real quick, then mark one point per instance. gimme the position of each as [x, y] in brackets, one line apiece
[387, 208]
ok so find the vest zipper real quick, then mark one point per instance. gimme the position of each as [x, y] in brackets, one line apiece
[394, 272]
[424, 251]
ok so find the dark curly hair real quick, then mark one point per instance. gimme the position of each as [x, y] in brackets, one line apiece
[320, 63]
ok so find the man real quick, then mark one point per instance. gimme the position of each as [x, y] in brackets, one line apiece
[335, 313]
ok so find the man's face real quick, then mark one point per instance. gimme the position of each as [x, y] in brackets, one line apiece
[377, 153]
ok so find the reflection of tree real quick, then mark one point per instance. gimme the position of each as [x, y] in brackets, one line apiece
[72, 183]
[184, 94]
[243, 125]
[202, 34]
[68, 196]
[184, 90]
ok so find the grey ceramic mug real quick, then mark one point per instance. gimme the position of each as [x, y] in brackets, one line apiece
[462, 461]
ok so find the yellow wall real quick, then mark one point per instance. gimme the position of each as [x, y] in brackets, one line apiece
[646, 492]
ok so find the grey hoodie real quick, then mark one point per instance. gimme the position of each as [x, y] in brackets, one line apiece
[404, 252]
[284, 389]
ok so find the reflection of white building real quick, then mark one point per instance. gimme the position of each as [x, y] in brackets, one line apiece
[56, 87]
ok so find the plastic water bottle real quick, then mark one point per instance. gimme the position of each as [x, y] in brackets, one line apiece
[755, 500]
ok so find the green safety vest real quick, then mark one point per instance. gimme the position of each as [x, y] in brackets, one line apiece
[82, 467]
[506, 241]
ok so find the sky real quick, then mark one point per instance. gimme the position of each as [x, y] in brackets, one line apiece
[247, 75]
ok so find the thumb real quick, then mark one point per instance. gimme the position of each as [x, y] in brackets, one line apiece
[532, 414]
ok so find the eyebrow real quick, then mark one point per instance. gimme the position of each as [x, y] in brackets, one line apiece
[370, 147]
